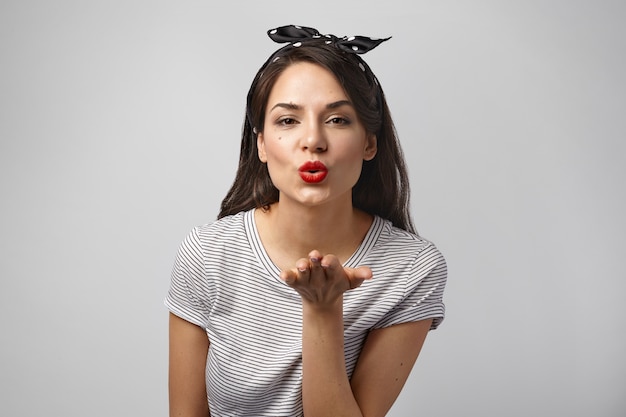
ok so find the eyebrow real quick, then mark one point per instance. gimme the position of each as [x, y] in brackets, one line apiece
[293, 106]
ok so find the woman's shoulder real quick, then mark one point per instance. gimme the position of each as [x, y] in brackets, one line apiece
[393, 245]
[227, 228]
[227, 223]
[390, 235]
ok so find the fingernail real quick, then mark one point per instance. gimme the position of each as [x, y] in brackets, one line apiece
[315, 259]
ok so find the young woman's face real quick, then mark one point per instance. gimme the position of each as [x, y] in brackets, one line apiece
[312, 141]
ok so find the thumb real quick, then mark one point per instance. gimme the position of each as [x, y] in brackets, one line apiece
[357, 276]
[362, 273]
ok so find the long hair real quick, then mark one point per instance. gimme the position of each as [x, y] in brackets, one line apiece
[383, 187]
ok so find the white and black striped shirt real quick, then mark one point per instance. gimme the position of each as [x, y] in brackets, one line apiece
[224, 281]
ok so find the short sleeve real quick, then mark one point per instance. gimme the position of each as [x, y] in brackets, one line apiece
[423, 296]
[185, 297]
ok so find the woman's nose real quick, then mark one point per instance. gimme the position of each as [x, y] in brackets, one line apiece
[314, 138]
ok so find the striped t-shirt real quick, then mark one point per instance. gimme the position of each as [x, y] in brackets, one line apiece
[224, 281]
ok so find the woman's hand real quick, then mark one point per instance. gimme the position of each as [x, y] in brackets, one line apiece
[322, 280]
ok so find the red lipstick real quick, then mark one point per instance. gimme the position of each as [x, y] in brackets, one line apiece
[313, 172]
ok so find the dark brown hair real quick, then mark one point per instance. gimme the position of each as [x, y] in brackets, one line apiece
[383, 187]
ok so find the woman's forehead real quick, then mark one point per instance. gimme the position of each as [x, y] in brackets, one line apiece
[302, 82]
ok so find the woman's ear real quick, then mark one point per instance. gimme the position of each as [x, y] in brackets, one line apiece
[371, 148]
[260, 144]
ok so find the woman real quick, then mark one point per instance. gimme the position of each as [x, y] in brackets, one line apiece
[311, 294]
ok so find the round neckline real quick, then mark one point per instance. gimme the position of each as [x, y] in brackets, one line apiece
[259, 249]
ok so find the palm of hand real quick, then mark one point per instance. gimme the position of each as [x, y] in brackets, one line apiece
[322, 280]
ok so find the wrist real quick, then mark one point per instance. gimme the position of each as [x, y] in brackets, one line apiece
[329, 308]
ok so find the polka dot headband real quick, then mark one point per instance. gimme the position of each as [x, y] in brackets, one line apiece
[296, 35]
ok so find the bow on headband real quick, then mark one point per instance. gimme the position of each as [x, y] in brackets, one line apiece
[296, 34]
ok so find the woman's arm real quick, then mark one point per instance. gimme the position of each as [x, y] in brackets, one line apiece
[188, 349]
[383, 367]
[326, 389]
[384, 363]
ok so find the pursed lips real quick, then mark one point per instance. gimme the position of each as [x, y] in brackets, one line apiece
[313, 172]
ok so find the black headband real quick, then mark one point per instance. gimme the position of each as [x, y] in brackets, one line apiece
[296, 34]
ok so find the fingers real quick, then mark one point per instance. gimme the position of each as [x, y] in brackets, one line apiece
[289, 276]
[301, 274]
[318, 270]
[307, 270]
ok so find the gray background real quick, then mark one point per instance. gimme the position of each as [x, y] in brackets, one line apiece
[120, 124]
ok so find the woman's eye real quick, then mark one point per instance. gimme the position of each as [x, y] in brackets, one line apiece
[338, 121]
[286, 121]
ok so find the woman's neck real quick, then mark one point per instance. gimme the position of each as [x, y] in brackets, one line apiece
[290, 232]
